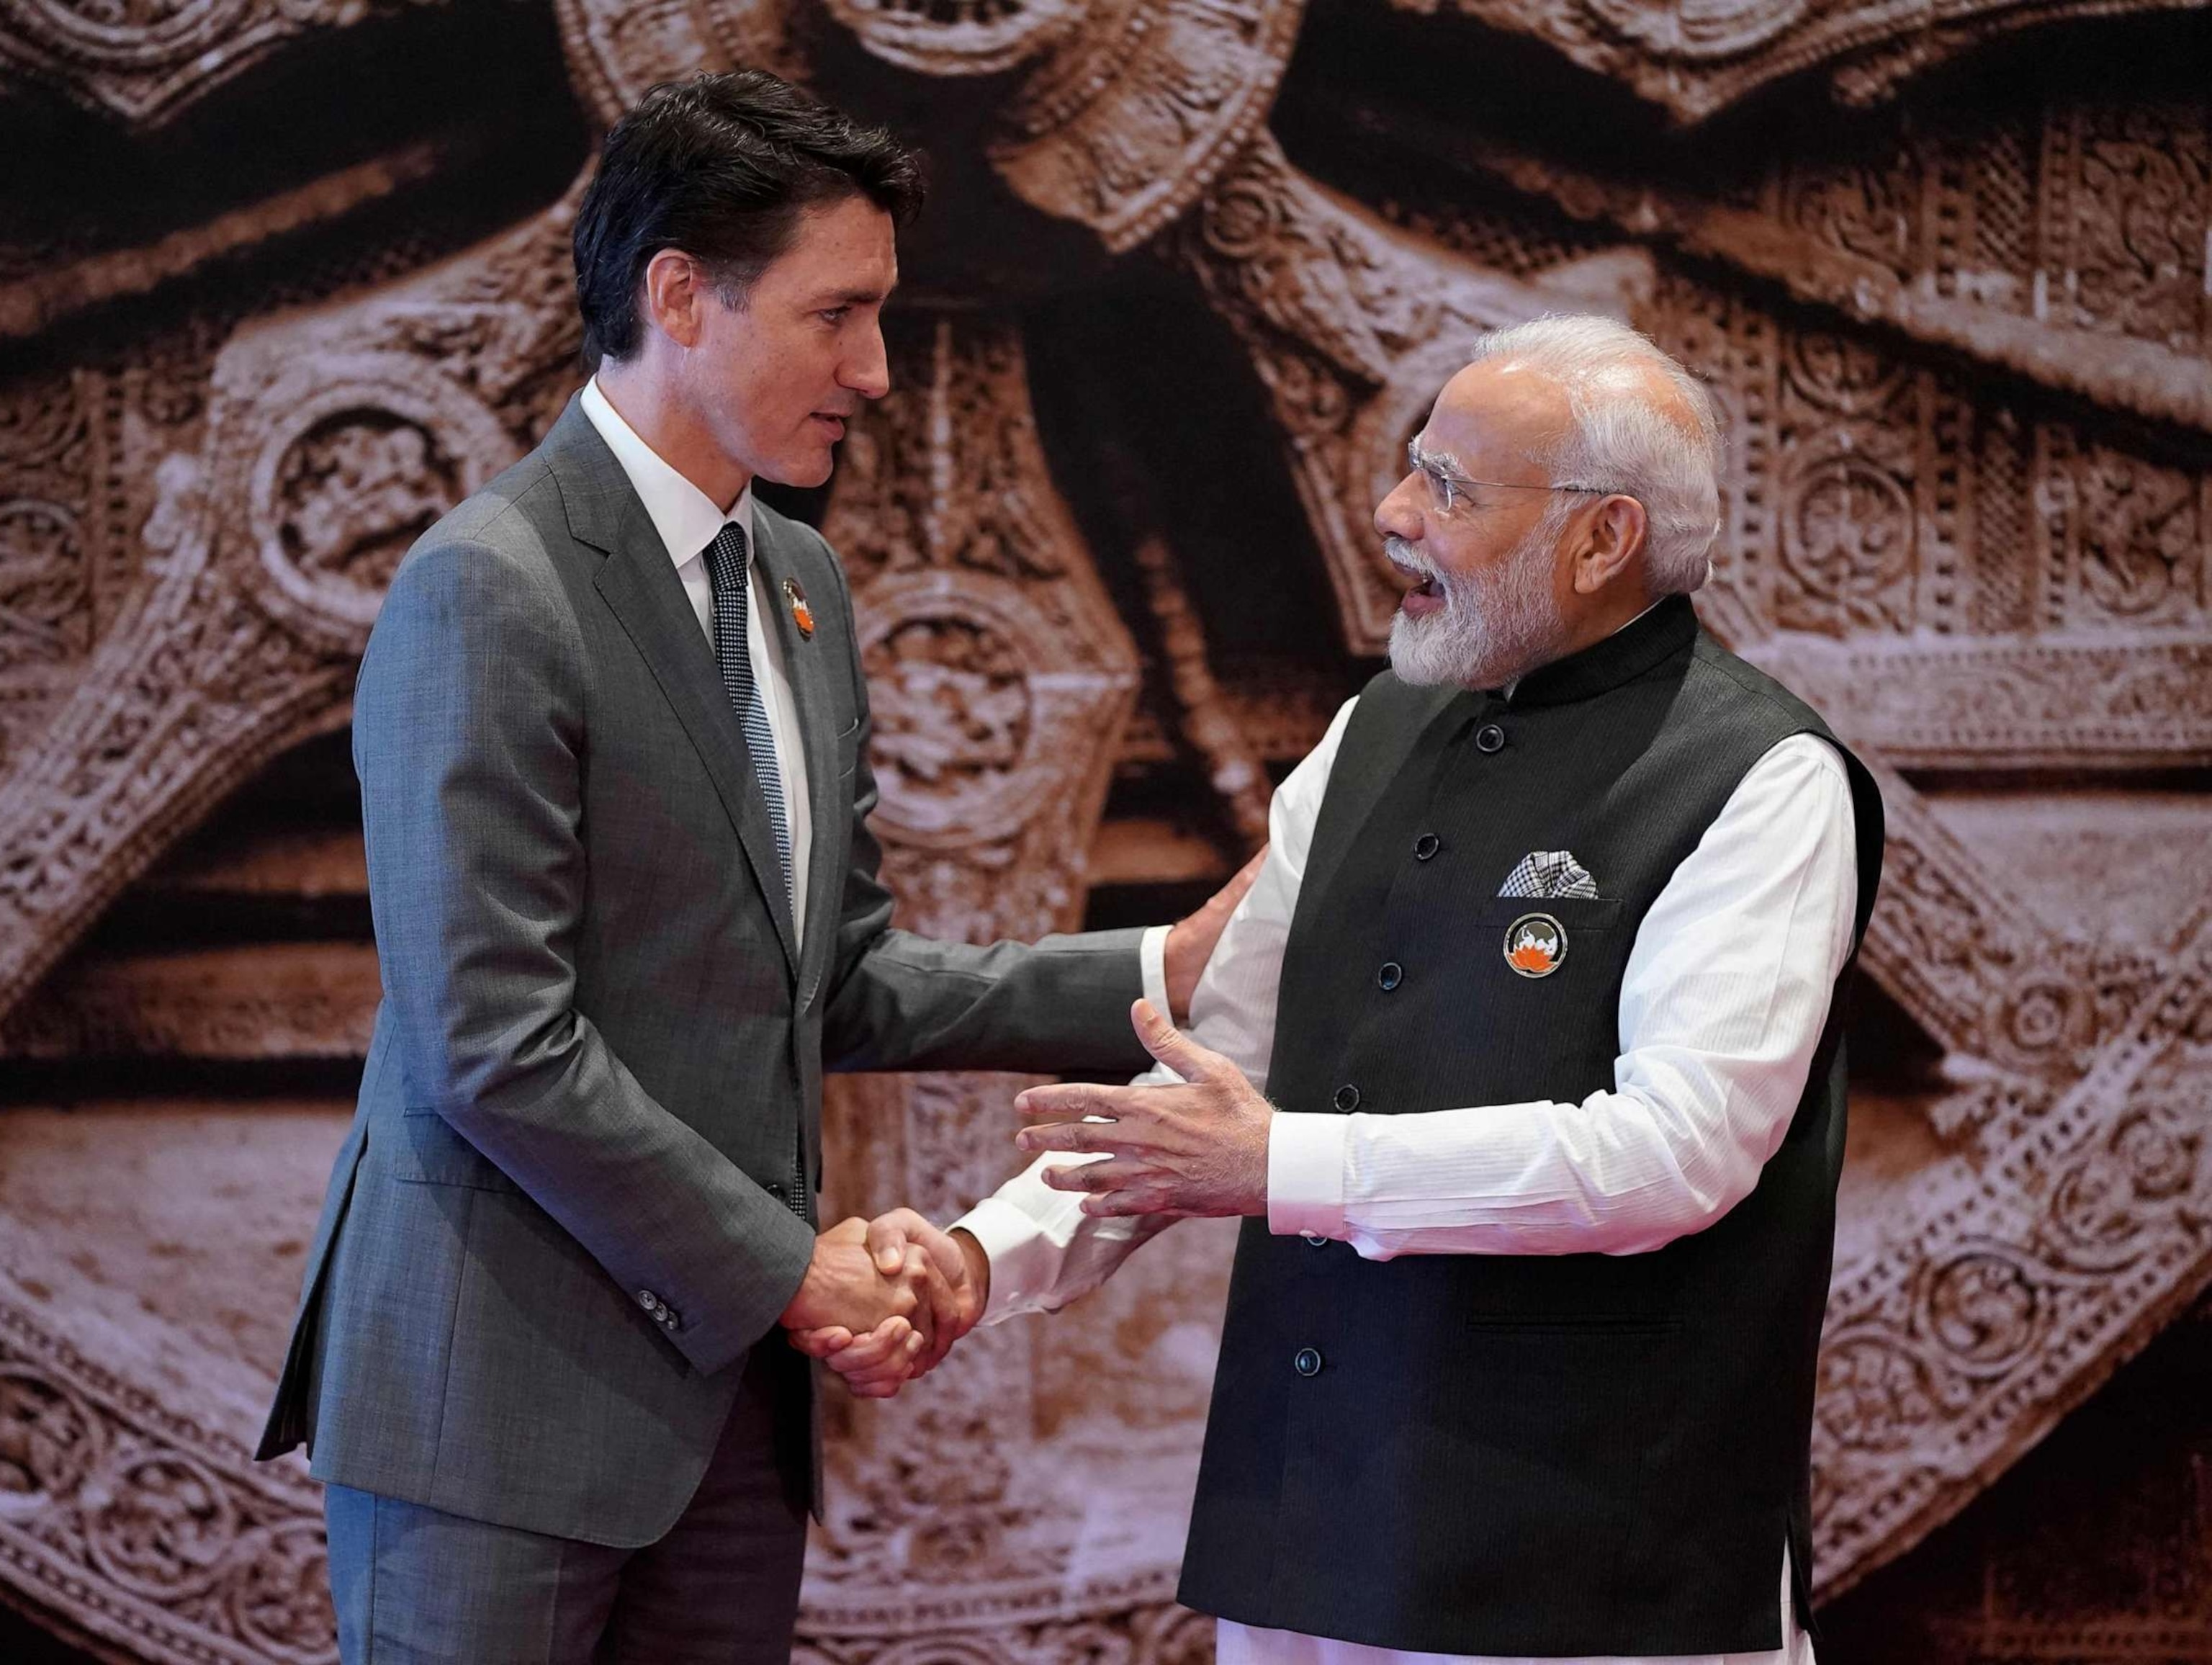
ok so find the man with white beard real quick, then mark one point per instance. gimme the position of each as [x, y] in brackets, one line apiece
[1522, 1058]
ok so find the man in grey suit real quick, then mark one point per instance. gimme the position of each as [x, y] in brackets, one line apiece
[612, 739]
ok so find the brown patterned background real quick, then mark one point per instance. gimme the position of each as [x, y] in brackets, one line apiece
[280, 279]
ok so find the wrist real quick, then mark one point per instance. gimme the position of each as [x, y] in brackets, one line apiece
[978, 1261]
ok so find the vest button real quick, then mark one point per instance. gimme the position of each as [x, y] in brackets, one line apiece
[1347, 1097]
[1490, 738]
[1389, 976]
[1426, 846]
[1307, 1362]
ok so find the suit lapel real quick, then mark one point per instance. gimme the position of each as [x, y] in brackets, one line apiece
[806, 663]
[640, 586]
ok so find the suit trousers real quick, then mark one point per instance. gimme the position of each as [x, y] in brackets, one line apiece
[417, 1586]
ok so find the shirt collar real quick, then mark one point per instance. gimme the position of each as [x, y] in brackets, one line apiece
[684, 516]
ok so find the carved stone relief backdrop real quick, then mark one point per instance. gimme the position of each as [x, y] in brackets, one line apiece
[280, 280]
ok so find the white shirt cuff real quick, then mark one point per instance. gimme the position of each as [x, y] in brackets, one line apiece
[1306, 1175]
[1021, 1253]
[1152, 962]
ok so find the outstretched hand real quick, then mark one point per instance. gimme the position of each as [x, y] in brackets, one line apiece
[951, 1278]
[1197, 1148]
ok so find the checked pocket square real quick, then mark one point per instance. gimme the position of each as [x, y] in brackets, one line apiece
[1548, 873]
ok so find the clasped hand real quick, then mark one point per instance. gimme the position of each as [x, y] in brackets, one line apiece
[885, 1299]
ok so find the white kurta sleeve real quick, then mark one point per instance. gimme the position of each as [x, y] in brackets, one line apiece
[1722, 1007]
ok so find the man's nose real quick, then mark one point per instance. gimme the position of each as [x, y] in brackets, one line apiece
[1399, 514]
[868, 371]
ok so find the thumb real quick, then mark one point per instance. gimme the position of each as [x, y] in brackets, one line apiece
[1169, 1044]
[887, 1243]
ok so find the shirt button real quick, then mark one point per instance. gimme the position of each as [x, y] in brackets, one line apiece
[1313, 1239]
[1347, 1097]
[1307, 1362]
[1426, 846]
[1389, 976]
[1490, 738]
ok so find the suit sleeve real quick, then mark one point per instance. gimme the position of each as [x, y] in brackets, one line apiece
[897, 1001]
[469, 737]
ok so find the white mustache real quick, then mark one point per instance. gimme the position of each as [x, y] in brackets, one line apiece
[1404, 554]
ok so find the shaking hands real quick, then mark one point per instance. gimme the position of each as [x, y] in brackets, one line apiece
[885, 1299]
[893, 1294]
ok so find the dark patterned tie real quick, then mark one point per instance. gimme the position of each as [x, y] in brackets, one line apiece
[727, 566]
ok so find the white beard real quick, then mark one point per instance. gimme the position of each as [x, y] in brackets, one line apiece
[1493, 627]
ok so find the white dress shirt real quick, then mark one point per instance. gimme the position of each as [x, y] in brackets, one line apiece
[688, 521]
[1722, 1005]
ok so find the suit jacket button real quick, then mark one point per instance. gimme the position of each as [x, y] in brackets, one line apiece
[1347, 1097]
[647, 1299]
[1389, 976]
[1426, 846]
[1490, 738]
[1307, 1362]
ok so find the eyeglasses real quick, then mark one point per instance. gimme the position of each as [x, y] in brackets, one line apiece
[1447, 485]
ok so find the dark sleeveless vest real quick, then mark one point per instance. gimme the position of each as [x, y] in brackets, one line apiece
[1540, 1454]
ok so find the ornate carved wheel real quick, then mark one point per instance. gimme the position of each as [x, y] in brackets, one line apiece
[1195, 271]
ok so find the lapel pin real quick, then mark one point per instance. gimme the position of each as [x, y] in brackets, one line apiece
[801, 614]
[1534, 944]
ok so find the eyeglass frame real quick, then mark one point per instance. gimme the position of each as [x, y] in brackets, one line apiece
[1439, 470]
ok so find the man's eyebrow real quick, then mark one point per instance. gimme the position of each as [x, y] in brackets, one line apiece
[862, 297]
[1443, 461]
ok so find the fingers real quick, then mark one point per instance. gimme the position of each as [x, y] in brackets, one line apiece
[1226, 898]
[1172, 1047]
[820, 1343]
[1137, 1199]
[1083, 1137]
[878, 1364]
[1112, 1174]
[1071, 1101]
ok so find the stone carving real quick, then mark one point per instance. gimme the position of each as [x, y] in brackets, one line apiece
[1964, 375]
[1962, 244]
[147, 62]
[1696, 57]
[158, 1540]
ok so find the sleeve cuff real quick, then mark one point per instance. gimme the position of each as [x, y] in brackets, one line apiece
[1152, 962]
[1013, 1242]
[1306, 1174]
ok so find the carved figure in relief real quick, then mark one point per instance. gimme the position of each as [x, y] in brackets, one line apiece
[616, 773]
[1492, 1218]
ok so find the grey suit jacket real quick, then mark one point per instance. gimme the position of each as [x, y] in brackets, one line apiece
[580, 1183]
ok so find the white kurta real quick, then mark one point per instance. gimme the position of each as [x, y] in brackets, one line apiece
[1722, 1002]
[688, 521]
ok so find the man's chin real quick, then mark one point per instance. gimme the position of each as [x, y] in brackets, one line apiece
[801, 473]
[1423, 653]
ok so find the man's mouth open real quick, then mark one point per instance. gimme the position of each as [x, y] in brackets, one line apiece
[1424, 597]
[832, 424]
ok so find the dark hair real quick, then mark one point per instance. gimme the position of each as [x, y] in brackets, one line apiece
[721, 167]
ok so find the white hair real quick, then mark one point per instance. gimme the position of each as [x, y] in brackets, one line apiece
[1621, 439]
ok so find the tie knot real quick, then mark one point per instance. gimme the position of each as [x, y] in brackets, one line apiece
[726, 555]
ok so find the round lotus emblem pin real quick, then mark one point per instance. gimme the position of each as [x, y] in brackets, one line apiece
[1534, 944]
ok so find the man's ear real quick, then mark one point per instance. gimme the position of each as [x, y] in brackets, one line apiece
[674, 296]
[1616, 538]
